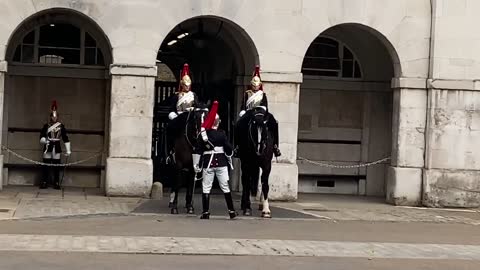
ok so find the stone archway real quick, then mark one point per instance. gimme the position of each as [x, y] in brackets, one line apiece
[60, 55]
[346, 105]
[221, 56]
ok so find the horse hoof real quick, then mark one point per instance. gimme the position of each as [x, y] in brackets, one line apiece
[266, 215]
[205, 216]
[190, 210]
[174, 211]
[232, 214]
[247, 212]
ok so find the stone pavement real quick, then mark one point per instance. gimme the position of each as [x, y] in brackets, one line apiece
[250, 247]
[31, 202]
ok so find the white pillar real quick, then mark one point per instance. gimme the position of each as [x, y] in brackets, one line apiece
[3, 72]
[129, 164]
[404, 183]
[283, 93]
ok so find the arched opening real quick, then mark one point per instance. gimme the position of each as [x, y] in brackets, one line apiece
[57, 55]
[221, 57]
[345, 116]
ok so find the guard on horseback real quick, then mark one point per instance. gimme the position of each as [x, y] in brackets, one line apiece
[256, 99]
[215, 161]
[52, 133]
[183, 101]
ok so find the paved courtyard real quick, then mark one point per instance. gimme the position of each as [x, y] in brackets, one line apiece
[339, 232]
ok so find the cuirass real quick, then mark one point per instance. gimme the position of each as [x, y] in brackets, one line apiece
[254, 99]
[185, 101]
[55, 133]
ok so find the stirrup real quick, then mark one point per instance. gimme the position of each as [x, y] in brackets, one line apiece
[276, 152]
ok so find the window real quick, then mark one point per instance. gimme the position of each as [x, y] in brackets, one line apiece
[328, 58]
[59, 44]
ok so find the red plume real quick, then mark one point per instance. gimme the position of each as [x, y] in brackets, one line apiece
[185, 71]
[210, 120]
[54, 105]
[257, 71]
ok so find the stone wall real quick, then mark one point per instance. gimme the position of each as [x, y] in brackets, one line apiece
[452, 175]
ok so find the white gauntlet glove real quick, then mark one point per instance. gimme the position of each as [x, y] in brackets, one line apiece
[68, 150]
[172, 115]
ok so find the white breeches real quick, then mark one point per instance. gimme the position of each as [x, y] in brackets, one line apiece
[222, 176]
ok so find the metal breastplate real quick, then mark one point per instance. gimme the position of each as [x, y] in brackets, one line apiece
[185, 101]
[54, 131]
[254, 99]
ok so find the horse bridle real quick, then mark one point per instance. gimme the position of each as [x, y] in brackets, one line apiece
[250, 131]
[196, 125]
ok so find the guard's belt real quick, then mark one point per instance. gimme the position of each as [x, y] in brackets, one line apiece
[216, 150]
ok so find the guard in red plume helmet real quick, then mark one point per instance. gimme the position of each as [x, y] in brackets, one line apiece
[256, 99]
[52, 133]
[209, 121]
[181, 102]
[216, 159]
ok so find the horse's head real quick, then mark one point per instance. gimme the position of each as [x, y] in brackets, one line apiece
[195, 120]
[258, 131]
[259, 116]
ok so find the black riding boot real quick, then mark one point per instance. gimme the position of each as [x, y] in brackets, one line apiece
[56, 174]
[206, 206]
[231, 210]
[45, 174]
[276, 150]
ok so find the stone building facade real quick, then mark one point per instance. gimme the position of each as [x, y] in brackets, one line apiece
[349, 81]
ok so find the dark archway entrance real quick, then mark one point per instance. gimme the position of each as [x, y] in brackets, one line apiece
[220, 55]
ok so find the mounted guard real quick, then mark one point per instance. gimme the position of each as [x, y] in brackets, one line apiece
[216, 160]
[183, 101]
[256, 99]
[52, 133]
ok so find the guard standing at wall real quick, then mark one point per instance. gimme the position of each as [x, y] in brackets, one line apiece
[216, 159]
[52, 133]
[253, 98]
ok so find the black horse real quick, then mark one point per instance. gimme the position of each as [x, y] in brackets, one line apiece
[188, 128]
[256, 152]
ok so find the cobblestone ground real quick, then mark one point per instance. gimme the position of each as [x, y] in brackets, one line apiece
[211, 246]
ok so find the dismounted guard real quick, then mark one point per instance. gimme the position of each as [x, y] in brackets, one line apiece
[253, 98]
[51, 135]
[216, 160]
[183, 101]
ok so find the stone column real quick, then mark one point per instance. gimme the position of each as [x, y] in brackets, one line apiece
[452, 169]
[3, 72]
[129, 164]
[404, 183]
[283, 93]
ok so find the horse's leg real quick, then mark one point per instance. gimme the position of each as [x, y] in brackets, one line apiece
[254, 172]
[245, 205]
[266, 169]
[176, 189]
[189, 177]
